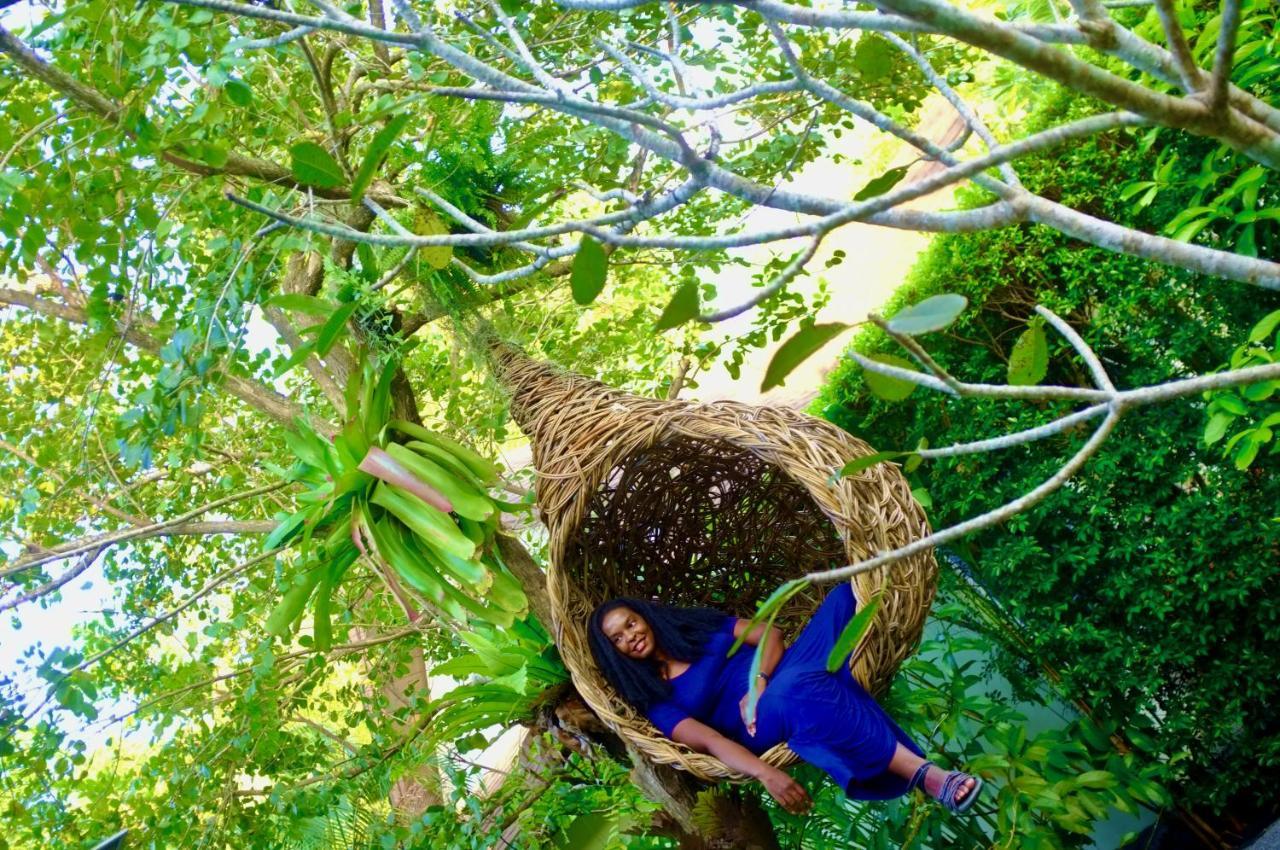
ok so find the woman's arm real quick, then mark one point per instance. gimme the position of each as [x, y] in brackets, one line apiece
[770, 655]
[701, 737]
[773, 648]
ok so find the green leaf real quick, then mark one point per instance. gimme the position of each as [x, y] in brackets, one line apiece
[852, 633]
[682, 307]
[879, 185]
[858, 464]
[1231, 404]
[873, 57]
[298, 303]
[590, 268]
[753, 672]
[796, 350]
[914, 461]
[1192, 229]
[239, 93]
[374, 155]
[1248, 448]
[1266, 327]
[1260, 391]
[322, 625]
[931, 314]
[300, 354]
[1217, 427]
[334, 327]
[213, 153]
[1096, 779]
[427, 223]
[1029, 360]
[285, 531]
[885, 386]
[769, 607]
[290, 607]
[312, 164]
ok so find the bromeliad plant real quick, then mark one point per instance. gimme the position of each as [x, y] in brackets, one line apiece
[505, 674]
[413, 501]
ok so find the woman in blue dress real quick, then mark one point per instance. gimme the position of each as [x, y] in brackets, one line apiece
[672, 664]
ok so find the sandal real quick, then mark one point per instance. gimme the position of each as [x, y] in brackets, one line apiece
[951, 783]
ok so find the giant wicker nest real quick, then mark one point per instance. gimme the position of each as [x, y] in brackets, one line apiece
[707, 504]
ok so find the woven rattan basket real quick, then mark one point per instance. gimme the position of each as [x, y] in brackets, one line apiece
[706, 504]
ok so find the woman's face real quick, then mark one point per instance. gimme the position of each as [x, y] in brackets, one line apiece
[628, 632]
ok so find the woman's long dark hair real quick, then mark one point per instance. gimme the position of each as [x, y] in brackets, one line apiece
[681, 632]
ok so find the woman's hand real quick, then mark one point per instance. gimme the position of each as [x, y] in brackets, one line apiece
[789, 793]
[742, 707]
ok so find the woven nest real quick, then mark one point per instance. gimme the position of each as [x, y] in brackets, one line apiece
[707, 504]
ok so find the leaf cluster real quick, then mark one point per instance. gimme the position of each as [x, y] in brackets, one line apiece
[1147, 583]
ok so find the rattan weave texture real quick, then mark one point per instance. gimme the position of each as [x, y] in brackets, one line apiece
[706, 504]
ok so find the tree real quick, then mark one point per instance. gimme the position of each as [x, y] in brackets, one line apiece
[384, 175]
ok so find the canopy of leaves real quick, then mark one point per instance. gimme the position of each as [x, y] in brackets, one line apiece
[163, 344]
[1160, 549]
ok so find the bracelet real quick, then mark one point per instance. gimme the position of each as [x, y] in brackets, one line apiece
[763, 675]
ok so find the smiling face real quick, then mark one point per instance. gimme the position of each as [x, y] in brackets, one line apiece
[628, 632]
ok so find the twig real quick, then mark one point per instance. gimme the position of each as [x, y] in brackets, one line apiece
[1188, 71]
[1224, 56]
[113, 537]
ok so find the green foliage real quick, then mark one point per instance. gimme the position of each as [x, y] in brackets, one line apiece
[1045, 790]
[590, 268]
[1029, 357]
[315, 166]
[1223, 199]
[375, 153]
[1249, 403]
[682, 307]
[1130, 581]
[798, 348]
[932, 314]
[888, 387]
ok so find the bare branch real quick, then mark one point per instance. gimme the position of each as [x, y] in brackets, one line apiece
[1224, 57]
[994, 517]
[1100, 376]
[102, 540]
[1188, 71]
[95, 102]
[1017, 438]
[53, 586]
[1114, 402]
[784, 277]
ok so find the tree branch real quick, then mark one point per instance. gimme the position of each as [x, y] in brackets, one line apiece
[1224, 56]
[96, 103]
[163, 528]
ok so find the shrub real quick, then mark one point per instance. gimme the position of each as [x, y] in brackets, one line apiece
[1149, 583]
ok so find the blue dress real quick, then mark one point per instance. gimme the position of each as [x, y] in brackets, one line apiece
[827, 719]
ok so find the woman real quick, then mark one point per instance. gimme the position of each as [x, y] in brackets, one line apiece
[672, 664]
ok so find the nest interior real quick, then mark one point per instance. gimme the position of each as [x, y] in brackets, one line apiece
[701, 523]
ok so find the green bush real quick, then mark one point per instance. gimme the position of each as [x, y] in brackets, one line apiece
[1149, 582]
